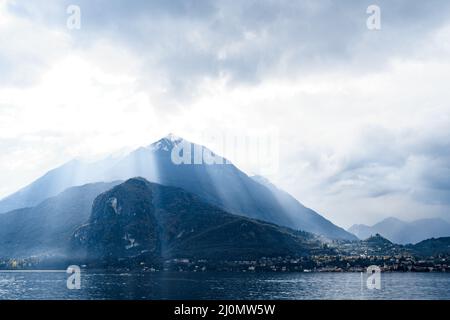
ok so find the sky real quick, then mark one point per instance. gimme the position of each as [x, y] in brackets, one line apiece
[361, 116]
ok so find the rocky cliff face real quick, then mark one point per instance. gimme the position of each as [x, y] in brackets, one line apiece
[122, 224]
[146, 221]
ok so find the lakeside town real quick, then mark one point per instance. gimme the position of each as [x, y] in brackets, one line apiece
[319, 263]
[432, 255]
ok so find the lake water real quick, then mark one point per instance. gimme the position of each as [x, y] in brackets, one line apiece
[101, 285]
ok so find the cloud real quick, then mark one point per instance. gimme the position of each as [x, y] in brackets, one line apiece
[187, 41]
[363, 116]
[411, 162]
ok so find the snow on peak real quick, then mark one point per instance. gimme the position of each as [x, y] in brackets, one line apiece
[173, 138]
[166, 143]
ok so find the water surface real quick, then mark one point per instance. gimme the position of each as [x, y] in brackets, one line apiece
[104, 285]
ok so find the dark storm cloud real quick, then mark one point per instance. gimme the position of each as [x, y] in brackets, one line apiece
[187, 40]
[386, 162]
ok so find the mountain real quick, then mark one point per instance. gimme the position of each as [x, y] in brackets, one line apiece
[404, 232]
[378, 245]
[47, 228]
[432, 247]
[73, 173]
[220, 184]
[304, 218]
[377, 240]
[139, 219]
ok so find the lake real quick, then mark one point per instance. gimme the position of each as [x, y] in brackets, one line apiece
[156, 286]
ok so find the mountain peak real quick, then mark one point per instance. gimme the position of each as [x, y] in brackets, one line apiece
[173, 138]
[378, 239]
[136, 180]
[167, 143]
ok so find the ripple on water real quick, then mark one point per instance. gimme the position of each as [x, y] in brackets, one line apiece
[225, 286]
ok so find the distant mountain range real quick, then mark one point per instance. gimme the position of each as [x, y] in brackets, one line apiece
[377, 245]
[220, 185]
[433, 246]
[402, 232]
